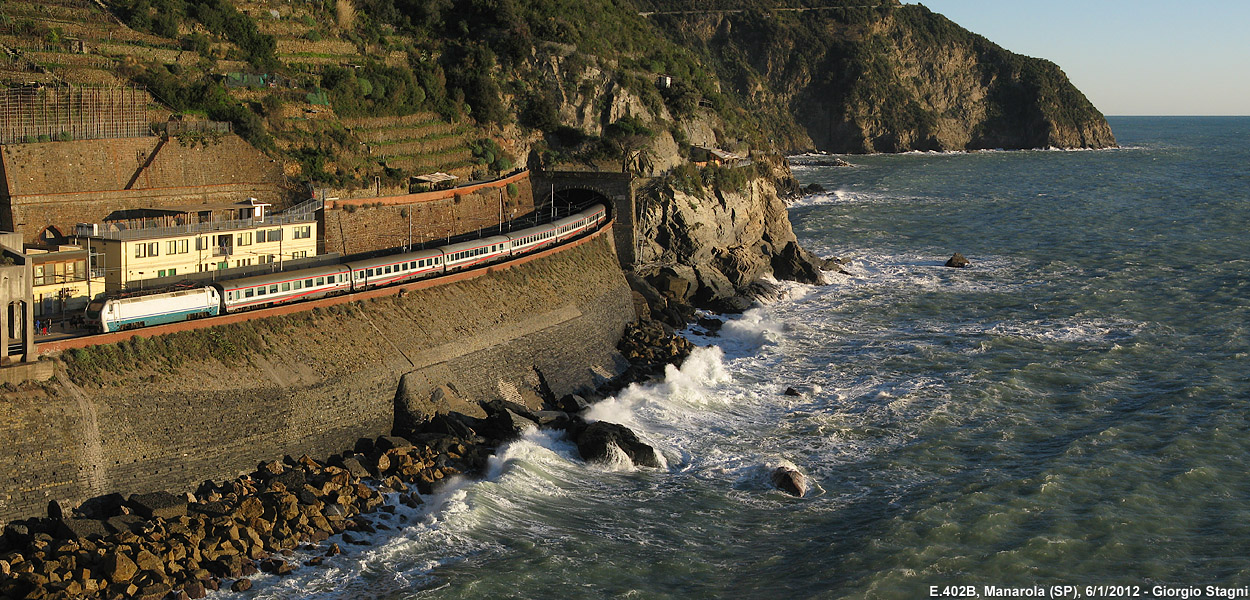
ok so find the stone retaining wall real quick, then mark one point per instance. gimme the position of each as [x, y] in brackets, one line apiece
[319, 380]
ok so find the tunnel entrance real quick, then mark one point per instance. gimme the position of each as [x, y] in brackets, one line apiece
[571, 199]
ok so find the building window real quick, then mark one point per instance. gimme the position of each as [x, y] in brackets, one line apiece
[243, 239]
[303, 233]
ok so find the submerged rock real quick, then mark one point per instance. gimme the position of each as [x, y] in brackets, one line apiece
[958, 261]
[790, 481]
[594, 441]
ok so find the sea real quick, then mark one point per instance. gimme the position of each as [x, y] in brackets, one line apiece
[1069, 416]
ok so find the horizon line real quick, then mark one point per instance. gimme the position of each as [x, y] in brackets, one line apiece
[1175, 115]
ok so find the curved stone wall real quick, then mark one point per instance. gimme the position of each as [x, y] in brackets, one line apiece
[311, 382]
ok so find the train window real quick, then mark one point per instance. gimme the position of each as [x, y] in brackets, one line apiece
[388, 269]
[299, 285]
[321, 281]
[273, 289]
[286, 286]
[412, 265]
[308, 283]
[368, 272]
[247, 293]
[260, 291]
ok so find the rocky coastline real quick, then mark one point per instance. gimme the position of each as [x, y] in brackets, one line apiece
[295, 512]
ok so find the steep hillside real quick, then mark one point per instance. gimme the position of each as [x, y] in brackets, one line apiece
[889, 78]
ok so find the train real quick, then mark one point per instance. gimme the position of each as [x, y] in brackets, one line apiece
[236, 295]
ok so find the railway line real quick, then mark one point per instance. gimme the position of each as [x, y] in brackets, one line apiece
[594, 221]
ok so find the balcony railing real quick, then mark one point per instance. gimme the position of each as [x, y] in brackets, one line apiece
[112, 232]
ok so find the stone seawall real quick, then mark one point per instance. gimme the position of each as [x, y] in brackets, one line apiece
[306, 383]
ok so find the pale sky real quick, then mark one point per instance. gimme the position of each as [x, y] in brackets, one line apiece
[1129, 57]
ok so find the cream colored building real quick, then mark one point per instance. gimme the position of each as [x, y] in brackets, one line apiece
[131, 255]
[61, 287]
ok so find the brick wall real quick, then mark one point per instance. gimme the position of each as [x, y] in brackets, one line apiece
[323, 379]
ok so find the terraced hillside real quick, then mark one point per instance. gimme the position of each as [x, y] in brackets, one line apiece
[419, 142]
[73, 41]
[89, 42]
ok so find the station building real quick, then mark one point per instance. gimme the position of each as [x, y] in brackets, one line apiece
[153, 247]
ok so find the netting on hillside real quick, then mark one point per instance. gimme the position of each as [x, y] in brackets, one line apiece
[69, 112]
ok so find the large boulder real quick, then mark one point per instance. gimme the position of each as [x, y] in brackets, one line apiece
[713, 286]
[81, 529]
[675, 281]
[796, 264]
[117, 567]
[158, 504]
[503, 425]
[595, 441]
[790, 481]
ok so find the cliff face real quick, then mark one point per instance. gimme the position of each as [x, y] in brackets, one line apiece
[890, 79]
[719, 239]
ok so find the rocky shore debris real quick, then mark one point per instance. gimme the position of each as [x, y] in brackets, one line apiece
[958, 261]
[790, 481]
[162, 545]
